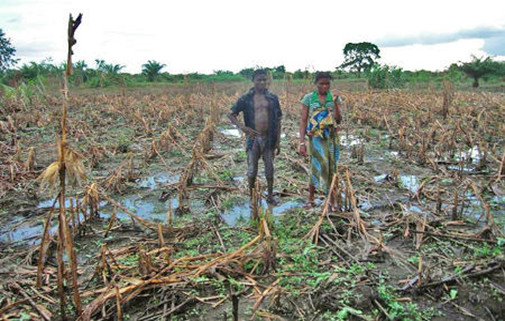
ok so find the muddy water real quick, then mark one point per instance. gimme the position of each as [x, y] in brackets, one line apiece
[232, 132]
[410, 182]
[19, 232]
[144, 203]
[243, 211]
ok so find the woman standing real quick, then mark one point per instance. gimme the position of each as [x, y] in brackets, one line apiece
[320, 117]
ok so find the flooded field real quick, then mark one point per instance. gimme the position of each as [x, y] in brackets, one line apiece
[162, 222]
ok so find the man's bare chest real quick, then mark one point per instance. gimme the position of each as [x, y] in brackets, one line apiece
[261, 105]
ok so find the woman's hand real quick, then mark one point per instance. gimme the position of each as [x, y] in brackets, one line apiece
[302, 150]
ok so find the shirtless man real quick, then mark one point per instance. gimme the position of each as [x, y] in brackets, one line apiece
[262, 125]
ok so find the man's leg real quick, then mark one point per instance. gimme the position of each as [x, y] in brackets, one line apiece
[268, 159]
[253, 155]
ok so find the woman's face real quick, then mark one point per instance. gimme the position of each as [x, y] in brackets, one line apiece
[323, 85]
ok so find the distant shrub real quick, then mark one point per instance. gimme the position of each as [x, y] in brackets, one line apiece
[385, 77]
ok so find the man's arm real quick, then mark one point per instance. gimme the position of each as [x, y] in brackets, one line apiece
[247, 130]
[279, 128]
[278, 123]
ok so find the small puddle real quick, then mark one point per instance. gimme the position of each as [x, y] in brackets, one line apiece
[468, 159]
[27, 234]
[349, 140]
[410, 182]
[456, 168]
[153, 181]
[148, 207]
[239, 212]
[473, 154]
[49, 203]
[233, 132]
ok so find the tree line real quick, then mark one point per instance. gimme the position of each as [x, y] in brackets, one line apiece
[360, 61]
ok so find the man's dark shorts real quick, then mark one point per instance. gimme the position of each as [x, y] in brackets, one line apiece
[259, 149]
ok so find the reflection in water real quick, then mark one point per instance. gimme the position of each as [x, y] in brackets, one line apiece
[30, 235]
[410, 182]
[49, 203]
[244, 211]
[152, 182]
[148, 208]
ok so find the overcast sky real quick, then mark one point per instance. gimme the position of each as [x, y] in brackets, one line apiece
[208, 35]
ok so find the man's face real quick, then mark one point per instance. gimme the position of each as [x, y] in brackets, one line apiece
[260, 82]
[323, 85]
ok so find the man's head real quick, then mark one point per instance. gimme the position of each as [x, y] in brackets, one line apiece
[322, 82]
[259, 79]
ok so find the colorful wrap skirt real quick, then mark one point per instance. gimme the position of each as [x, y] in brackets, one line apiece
[324, 154]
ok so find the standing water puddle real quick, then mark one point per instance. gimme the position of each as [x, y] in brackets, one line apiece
[28, 231]
[410, 182]
[233, 132]
[152, 182]
[233, 215]
[28, 234]
[349, 140]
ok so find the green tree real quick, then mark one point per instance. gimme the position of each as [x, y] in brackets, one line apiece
[81, 74]
[247, 72]
[360, 56]
[109, 69]
[301, 74]
[43, 69]
[152, 69]
[385, 77]
[479, 67]
[7, 52]
[280, 69]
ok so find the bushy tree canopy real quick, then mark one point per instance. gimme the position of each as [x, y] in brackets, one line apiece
[7, 52]
[360, 56]
[480, 67]
[152, 69]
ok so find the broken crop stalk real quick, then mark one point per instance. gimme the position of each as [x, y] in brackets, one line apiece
[448, 97]
[68, 167]
[44, 244]
[501, 170]
[314, 232]
[30, 161]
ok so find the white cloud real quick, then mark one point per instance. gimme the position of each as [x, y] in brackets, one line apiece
[432, 57]
[203, 36]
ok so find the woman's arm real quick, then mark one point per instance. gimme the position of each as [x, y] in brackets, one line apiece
[304, 115]
[337, 115]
